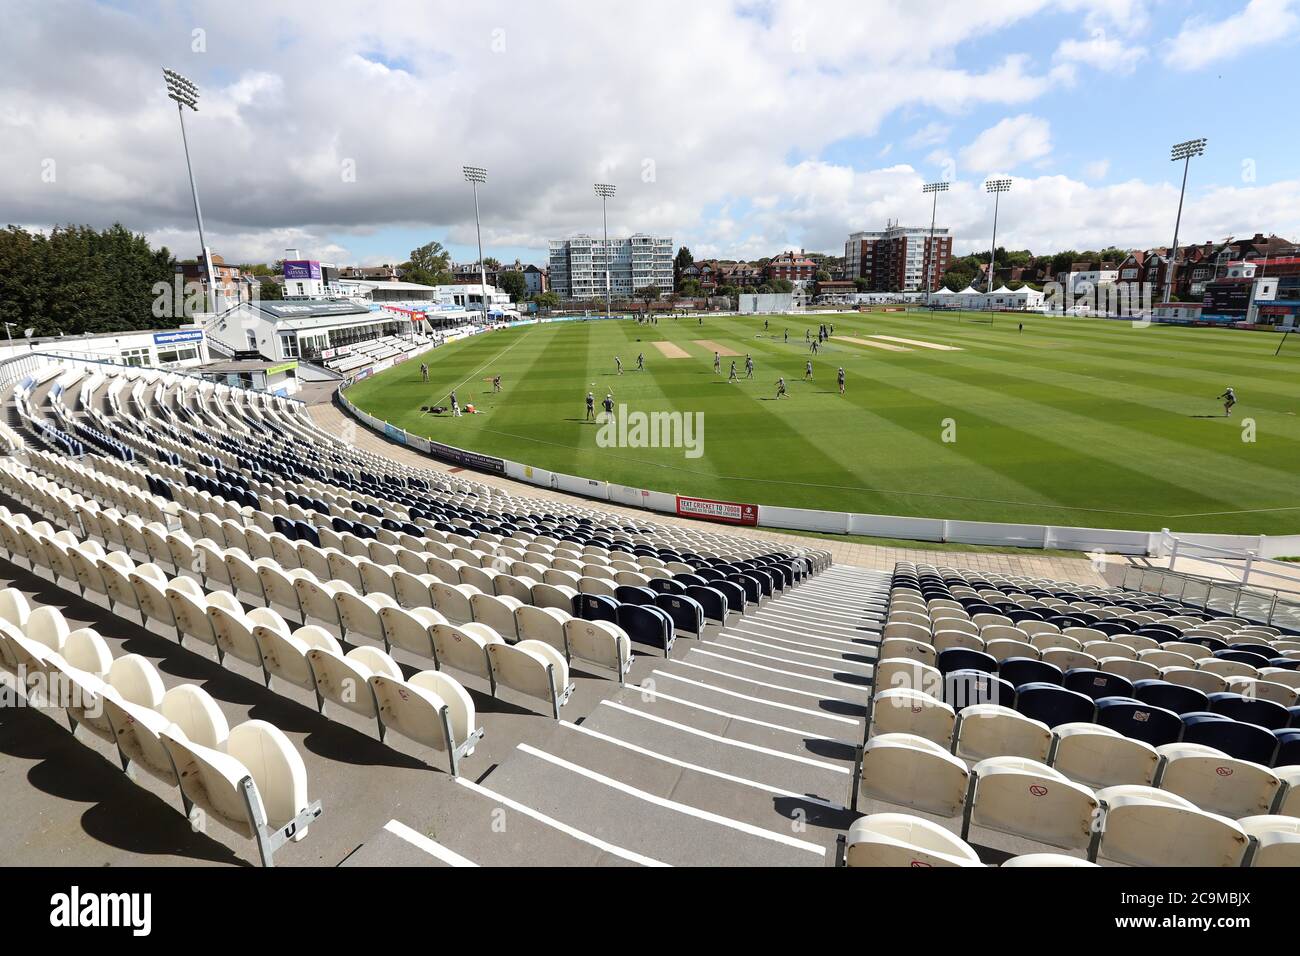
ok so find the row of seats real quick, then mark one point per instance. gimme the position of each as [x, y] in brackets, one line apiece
[182, 605]
[1136, 822]
[249, 778]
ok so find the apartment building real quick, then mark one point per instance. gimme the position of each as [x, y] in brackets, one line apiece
[578, 265]
[899, 259]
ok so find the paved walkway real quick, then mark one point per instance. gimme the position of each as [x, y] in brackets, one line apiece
[334, 420]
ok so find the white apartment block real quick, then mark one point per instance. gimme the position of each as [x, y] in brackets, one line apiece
[578, 265]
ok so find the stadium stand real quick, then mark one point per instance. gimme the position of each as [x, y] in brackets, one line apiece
[932, 717]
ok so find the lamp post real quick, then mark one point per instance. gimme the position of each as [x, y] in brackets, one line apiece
[606, 192]
[997, 187]
[185, 93]
[935, 189]
[475, 175]
[1185, 152]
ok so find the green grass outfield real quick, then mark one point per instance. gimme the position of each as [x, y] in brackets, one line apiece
[1070, 422]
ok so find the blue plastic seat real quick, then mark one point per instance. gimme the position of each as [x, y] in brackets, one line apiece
[1175, 697]
[1250, 710]
[963, 658]
[684, 611]
[1288, 752]
[1253, 658]
[1053, 704]
[1235, 738]
[1097, 684]
[1139, 721]
[1029, 670]
[961, 688]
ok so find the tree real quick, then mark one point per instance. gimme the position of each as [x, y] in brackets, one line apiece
[690, 288]
[823, 275]
[680, 262]
[270, 290]
[491, 264]
[79, 279]
[514, 284]
[429, 265]
[547, 300]
[861, 284]
[782, 285]
[648, 294]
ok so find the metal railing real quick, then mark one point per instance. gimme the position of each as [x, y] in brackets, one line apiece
[1261, 604]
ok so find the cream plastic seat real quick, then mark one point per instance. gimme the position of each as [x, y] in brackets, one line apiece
[903, 710]
[1030, 799]
[257, 787]
[991, 730]
[1217, 783]
[186, 710]
[432, 708]
[597, 642]
[911, 771]
[1097, 756]
[497, 613]
[285, 656]
[532, 668]
[900, 839]
[1143, 826]
[1046, 860]
[1276, 840]
[464, 648]
[345, 680]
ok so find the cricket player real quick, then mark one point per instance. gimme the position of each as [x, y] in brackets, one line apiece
[455, 405]
[780, 388]
[733, 377]
[749, 365]
[1229, 398]
[807, 371]
[717, 364]
[591, 407]
[841, 378]
[618, 364]
[640, 361]
[496, 383]
[609, 406]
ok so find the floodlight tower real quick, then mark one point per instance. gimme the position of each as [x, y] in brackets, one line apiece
[1185, 152]
[997, 187]
[606, 192]
[935, 189]
[185, 93]
[475, 175]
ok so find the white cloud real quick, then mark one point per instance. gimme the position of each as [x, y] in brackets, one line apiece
[1203, 41]
[290, 107]
[1101, 53]
[931, 134]
[1009, 143]
[1097, 169]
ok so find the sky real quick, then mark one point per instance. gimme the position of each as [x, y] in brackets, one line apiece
[741, 128]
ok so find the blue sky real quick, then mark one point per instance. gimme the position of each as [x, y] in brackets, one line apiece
[738, 128]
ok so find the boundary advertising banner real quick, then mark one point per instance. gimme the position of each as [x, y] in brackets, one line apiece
[466, 459]
[727, 512]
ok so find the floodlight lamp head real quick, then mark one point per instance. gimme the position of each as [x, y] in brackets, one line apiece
[181, 89]
[475, 174]
[935, 188]
[604, 190]
[1193, 147]
[998, 185]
